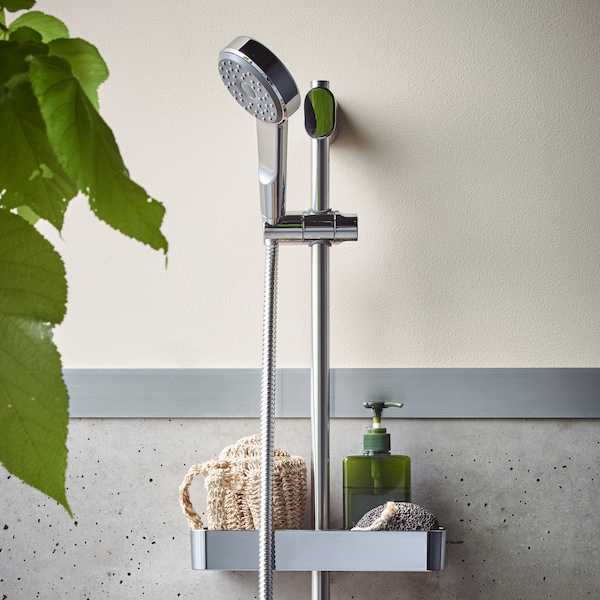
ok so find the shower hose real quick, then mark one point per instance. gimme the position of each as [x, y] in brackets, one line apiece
[266, 551]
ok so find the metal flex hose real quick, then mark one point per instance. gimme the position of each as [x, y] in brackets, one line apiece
[262, 85]
[266, 551]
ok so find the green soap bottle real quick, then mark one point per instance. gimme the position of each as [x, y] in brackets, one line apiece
[376, 476]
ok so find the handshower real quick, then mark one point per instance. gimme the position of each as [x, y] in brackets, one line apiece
[262, 85]
[257, 79]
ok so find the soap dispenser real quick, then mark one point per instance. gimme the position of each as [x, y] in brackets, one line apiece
[376, 476]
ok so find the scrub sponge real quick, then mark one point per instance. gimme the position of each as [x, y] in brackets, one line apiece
[397, 516]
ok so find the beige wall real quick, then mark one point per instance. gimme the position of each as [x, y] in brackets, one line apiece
[469, 147]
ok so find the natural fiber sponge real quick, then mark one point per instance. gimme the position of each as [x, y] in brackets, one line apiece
[397, 516]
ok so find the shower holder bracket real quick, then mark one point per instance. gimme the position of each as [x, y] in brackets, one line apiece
[308, 227]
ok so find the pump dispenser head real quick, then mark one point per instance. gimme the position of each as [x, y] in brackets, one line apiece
[377, 440]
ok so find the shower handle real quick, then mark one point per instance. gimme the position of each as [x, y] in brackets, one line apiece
[272, 169]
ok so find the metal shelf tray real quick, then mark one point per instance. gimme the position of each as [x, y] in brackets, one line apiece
[307, 550]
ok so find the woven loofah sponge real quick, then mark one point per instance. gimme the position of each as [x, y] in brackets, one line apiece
[397, 516]
[233, 484]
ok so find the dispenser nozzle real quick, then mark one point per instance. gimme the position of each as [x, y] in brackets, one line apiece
[377, 408]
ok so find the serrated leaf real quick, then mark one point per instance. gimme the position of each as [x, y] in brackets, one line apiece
[25, 34]
[32, 274]
[15, 5]
[30, 174]
[33, 396]
[14, 57]
[86, 64]
[47, 26]
[10, 62]
[87, 150]
[26, 213]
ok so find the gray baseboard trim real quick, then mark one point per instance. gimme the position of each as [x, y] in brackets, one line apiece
[569, 393]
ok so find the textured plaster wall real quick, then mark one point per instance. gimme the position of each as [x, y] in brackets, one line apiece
[519, 499]
[469, 148]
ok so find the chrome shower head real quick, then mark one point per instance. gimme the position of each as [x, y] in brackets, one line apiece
[258, 80]
[262, 85]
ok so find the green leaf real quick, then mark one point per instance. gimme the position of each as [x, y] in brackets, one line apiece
[48, 26]
[86, 64]
[11, 62]
[87, 150]
[26, 213]
[30, 174]
[15, 5]
[14, 58]
[25, 34]
[33, 396]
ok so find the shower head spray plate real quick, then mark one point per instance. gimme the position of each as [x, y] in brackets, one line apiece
[258, 80]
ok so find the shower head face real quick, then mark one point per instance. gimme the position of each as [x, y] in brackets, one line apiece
[258, 80]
